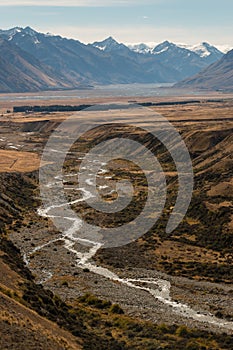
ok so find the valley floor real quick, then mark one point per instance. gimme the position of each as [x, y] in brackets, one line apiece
[185, 278]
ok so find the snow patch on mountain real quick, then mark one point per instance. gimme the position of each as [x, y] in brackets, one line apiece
[143, 48]
[102, 48]
[158, 52]
[108, 44]
[203, 49]
[10, 33]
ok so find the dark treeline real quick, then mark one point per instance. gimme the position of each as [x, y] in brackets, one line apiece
[171, 103]
[53, 108]
[69, 108]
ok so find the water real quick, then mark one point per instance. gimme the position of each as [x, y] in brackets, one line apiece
[101, 91]
[158, 288]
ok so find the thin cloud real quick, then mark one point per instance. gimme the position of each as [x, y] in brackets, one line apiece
[77, 3]
[88, 34]
[142, 33]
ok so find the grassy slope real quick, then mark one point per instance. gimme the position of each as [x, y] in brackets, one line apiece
[201, 247]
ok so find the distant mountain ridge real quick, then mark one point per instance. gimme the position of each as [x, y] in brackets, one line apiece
[185, 59]
[218, 76]
[203, 49]
[63, 63]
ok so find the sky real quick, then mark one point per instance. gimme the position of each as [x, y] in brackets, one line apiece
[128, 21]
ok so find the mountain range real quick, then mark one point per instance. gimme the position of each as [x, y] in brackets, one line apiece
[204, 50]
[185, 61]
[32, 61]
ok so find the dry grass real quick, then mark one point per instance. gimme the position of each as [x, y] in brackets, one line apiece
[23, 328]
[13, 161]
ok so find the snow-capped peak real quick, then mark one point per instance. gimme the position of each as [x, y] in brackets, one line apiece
[163, 47]
[9, 33]
[108, 44]
[203, 49]
[110, 40]
[30, 31]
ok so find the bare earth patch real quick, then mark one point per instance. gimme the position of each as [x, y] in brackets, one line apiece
[222, 189]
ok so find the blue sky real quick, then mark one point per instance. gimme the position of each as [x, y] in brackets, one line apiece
[128, 21]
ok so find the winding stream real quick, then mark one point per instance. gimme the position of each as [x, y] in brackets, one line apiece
[158, 288]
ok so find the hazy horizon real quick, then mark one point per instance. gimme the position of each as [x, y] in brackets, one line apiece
[128, 21]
